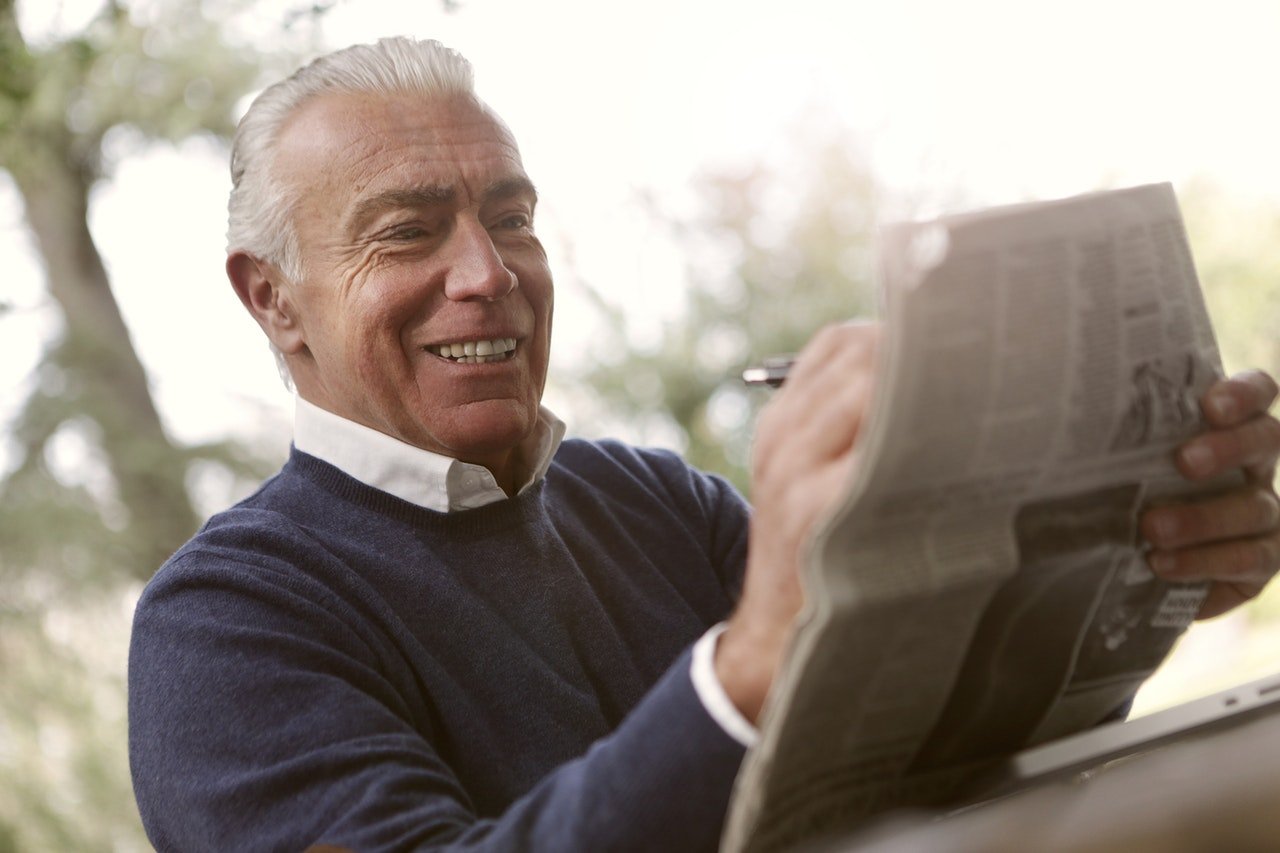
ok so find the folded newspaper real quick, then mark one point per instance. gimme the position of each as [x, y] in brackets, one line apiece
[983, 586]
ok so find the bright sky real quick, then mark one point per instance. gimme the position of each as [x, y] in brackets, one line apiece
[1007, 99]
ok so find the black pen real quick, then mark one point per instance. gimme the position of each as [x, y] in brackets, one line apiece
[771, 372]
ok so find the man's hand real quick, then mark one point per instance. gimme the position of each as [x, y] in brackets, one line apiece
[1232, 539]
[802, 457]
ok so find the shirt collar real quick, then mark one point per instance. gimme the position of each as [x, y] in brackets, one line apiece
[427, 479]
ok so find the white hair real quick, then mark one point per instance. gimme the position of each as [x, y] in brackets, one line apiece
[260, 210]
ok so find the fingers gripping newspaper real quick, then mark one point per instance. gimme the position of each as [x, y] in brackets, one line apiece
[983, 585]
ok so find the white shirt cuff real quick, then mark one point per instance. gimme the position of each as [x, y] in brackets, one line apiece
[711, 692]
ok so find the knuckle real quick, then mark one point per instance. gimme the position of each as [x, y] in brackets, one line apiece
[1267, 555]
[829, 333]
[1268, 429]
[1259, 444]
[1255, 442]
[867, 333]
[1239, 593]
[1265, 385]
[1267, 509]
[1200, 522]
[1254, 561]
[855, 332]
[1225, 445]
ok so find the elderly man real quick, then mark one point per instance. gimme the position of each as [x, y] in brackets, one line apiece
[440, 625]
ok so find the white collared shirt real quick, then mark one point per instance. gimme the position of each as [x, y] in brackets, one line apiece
[439, 483]
[422, 478]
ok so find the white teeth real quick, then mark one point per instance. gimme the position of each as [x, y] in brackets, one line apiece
[472, 352]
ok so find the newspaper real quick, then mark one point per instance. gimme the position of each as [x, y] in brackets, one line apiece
[983, 586]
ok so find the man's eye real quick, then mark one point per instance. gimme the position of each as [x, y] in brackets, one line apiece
[515, 221]
[404, 233]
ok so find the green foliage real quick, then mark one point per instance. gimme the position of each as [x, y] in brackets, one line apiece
[162, 74]
[80, 530]
[775, 257]
[62, 717]
[165, 77]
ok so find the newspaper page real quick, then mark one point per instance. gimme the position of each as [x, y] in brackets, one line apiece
[983, 585]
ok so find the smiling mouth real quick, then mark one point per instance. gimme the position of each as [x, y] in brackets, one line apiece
[475, 352]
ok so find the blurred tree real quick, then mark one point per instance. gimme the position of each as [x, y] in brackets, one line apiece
[164, 75]
[776, 255]
[73, 549]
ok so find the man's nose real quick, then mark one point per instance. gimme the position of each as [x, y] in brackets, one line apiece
[476, 269]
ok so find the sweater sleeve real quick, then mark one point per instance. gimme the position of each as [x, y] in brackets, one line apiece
[707, 502]
[261, 720]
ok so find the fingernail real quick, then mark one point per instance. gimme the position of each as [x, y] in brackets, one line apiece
[1166, 528]
[1223, 405]
[1198, 458]
[1162, 564]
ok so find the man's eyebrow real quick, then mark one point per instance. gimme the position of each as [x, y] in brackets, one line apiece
[430, 196]
[400, 199]
[506, 188]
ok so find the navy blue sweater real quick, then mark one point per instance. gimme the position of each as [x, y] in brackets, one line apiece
[326, 663]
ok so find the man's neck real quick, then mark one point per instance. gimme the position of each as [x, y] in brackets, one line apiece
[424, 477]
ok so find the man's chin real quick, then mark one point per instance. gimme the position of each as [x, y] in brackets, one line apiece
[487, 433]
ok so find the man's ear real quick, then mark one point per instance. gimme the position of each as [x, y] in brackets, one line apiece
[261, 289]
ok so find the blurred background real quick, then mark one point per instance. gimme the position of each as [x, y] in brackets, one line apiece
[711, 173]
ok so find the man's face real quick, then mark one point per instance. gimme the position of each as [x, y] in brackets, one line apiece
[415, 227]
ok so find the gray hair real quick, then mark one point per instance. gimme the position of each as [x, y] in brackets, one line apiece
[260, 209]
